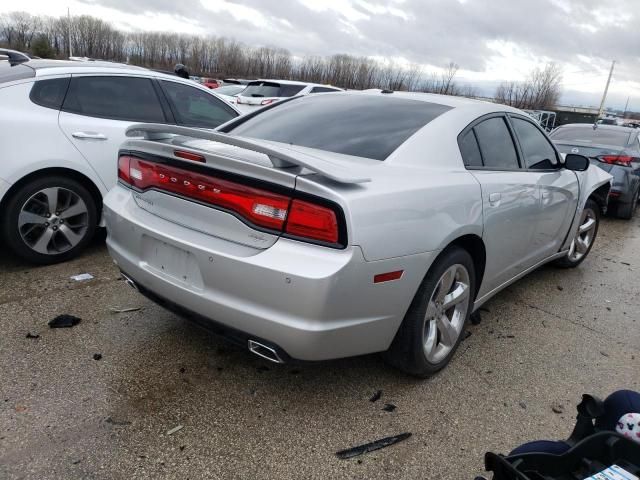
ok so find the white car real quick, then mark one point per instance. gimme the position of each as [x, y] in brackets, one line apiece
[265, 92]
[230, 92]
[62, 125]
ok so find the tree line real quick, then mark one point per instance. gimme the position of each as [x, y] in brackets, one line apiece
[221, 57]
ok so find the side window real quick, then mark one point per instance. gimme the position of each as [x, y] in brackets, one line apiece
[194, 108]
[323, 90]
[49, 93]
[538, 152]
[470, 150]
[119, 98]
[496, 144]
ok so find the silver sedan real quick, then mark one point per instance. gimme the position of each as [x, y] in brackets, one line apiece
[349, 223]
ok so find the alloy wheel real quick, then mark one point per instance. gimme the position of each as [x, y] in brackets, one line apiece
[585, 235]
[53, 220]
[446, 313]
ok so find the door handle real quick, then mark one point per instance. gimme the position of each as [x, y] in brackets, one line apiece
[495, 198]
[89, 136]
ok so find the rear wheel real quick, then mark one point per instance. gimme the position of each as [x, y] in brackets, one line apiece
[585, 237]
[432, 328]
[49, 220]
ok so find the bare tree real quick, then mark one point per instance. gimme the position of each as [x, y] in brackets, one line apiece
[539, 91]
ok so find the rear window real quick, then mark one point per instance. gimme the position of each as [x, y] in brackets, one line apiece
[117, 97]
[361, 125]
[270, 89]
[9, 73]
[599, 136]
[49, 93]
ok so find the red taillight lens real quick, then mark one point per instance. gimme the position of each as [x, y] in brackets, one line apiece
[266, 102]
[260, 207]
[123, 169]
[623, 160]
[312, 221]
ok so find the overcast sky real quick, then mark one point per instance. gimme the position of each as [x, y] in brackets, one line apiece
[491, 40]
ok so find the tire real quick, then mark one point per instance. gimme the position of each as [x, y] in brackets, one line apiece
[626, 210]
[576, 256]
[409, 351]
[42, 239]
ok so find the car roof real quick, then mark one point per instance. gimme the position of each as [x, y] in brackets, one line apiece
[59, 67]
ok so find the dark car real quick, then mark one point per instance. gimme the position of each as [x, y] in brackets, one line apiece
[612, 148]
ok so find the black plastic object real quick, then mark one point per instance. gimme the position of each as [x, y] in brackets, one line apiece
[64, 321]
[588, 457]
[370, 447]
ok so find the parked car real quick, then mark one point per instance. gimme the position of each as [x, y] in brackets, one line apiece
[211, 83]
[62, 124]
[230, 92]
[614, 149]
[342, 224]
[265, 92]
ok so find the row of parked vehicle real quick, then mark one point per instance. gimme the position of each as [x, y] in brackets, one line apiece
[316, 227]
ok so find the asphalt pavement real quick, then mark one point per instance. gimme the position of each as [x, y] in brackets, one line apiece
[146, 394]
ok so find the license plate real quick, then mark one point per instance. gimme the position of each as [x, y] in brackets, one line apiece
[172, 261]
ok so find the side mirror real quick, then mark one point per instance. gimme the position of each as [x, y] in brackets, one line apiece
[575, 162]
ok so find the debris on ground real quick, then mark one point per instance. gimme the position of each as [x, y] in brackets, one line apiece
[370, 447]
[376, 396]
[32, 335]
[475, 318]
[81, 277]
[124, 310]
[389, 407]
[64, 321]
[523, 405]
[604, 354]
[118, 423]
[467, 334]
[560, 287]
[557, 408]
[182, 369]
[97, 356]
[175, 429]
[625, 263]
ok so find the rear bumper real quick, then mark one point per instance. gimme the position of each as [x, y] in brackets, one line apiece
[311, 302]
[623, 184]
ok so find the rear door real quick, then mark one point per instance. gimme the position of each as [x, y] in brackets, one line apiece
[510, 198]
[96, 112]
[559, 188]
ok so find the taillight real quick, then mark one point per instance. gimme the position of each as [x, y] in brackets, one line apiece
[281, 213]
[624, 160]
[312, 221]
[258, 206]
[266, 102]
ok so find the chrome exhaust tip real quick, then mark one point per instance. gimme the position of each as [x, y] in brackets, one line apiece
[268, 353]
[129, 282]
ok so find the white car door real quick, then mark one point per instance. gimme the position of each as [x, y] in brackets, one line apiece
[559, 188]
[96, 112]
[510, 199]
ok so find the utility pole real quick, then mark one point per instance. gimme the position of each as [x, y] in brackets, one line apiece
[626, 105]
[69, 31]
[606, 89]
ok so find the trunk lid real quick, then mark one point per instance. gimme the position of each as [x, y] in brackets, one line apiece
[234, 188]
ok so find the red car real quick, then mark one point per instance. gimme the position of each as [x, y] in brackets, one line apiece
[211, 83]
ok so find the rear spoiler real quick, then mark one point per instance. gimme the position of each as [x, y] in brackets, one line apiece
[280, 157]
